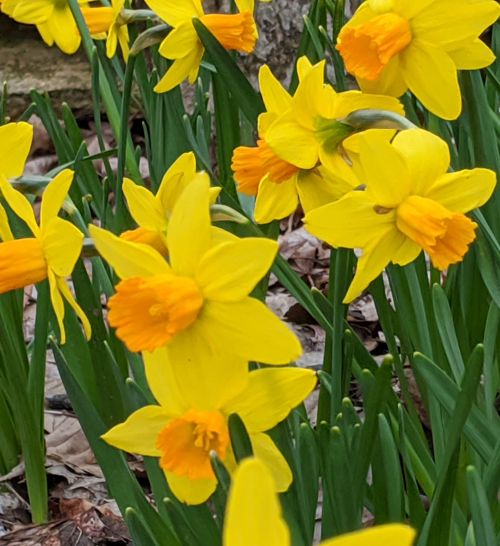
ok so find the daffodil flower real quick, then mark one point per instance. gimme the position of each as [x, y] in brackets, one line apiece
[198, 303]
[234, 31]
[106, 21]
[191, 419]
[254, 516]
[278, 184]
[410, 204]
[53, 19]
[152, 212]
[312, 128]
[50, 254]
[394, 45]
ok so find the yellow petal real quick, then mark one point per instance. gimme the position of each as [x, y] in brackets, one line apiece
[180, 42]
[276, 97]
[5, 231]
[250, 328]
[406, 253]
[276, 200]
[253, 513]
[205, 384]
[230, 271]
[463, 191]
[143, 206]
[189, 234]
[431, 76]
[57, 304]
[350, 101]
[63, 29]
[304, 65]
[68, 296]
[180, 70]
[138, 433]
[62, 245]
[245, 5]
[472, 56]
[266, 451]
[126, 258]
[54, 195]
[426, 155]
[20, 205]
[390, 82]
[190, 491]
[270, 396]
[394, 534]
[175, 180]
[374, 259]
[15, 144]
[350, 222]
[174, 12]
[311, 97]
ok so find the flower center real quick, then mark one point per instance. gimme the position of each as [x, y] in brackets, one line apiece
[99, 20]
[368, 47]
[22, 262]
[148, 312]
[443, 234]
[186, 443]
[251, 164]
[235, 31]
[146, 237]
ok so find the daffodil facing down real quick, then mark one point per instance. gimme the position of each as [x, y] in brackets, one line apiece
[53, 19]
[394, 45]
[106, 21]
[191, 419]
[312, 128]
[278, 184]
[197, 303]
[235, 31]
[152, 212]
[50, 254]
[410, 204]
[254, 516]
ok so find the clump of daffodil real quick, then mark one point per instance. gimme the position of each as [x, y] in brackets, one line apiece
[254, 516]
[394, 45]
[410, 204]
[236, 31]
[191, 419]
[278, 184]
[152, 212]
[53, 19]
[312, 128]
[50, 254]
[197, 303]
[107, 21]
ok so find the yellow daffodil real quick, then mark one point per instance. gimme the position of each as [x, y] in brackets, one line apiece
[234, 31]
[198, 303]
[152, 212]
[53, 19]
[394, 45]
[278, 184]
[106, 20]
[190, 421]
[312, 128]
[254, 516]
[410, 204]
[50, 254]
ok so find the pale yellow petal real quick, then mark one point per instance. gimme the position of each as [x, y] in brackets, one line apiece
[126, 258]
[394, 534]
[15, 144]
[472, 56]
[253, 513]
[266, 451]
[230, 271]
[271, 394]
[190, 491]
[54, 195]
[139, 432]
[144, 208]
[62, 245]
[276, 97]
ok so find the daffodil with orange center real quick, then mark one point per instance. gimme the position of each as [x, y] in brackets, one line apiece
[254, 516]
[191, 419]
[278, 184]
[411, 203]
[394, 45]
[197, 303]
[312, 128]
[234, 32]
[152, 212]
[106, 21]
[53, 19]
[56, 243]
